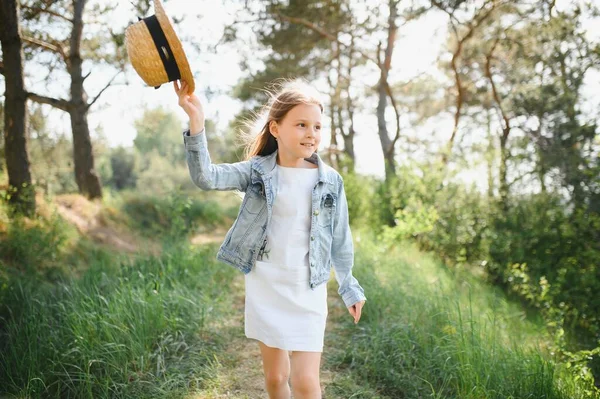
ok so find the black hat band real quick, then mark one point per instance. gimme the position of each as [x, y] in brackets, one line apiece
[164, 50]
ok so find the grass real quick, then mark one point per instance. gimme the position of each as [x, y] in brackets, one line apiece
[173, 214]
[427, 331]
[78, 321]
[126, 328]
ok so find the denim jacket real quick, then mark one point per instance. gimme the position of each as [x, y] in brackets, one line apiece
[330, 234]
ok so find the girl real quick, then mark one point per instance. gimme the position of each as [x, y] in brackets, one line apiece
[292, 225]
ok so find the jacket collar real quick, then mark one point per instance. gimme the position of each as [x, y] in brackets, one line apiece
[265, 165]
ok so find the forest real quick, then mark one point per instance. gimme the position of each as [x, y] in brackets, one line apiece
[473, 188]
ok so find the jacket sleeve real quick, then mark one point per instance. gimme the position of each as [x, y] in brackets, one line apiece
[342, 252]
[209, 176]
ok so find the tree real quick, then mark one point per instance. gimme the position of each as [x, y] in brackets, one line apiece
[563, 138]
[154, 133]
[122, 165]
[463, 32]
[44, 19]
[300, 47]
[530, 71]
[21, 192]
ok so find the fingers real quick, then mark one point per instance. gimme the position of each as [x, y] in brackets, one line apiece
[181, 91]
[352, 310]
[181, 87]
[358, 312]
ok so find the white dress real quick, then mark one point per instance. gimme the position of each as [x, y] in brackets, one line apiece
[281, 309]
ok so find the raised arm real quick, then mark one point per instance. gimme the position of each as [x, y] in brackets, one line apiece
[209, 176]
[205, 174]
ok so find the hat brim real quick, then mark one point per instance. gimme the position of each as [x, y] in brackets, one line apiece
[176, 46]
[144, 55]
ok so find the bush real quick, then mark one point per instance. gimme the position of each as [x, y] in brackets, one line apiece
[171, 215]
[533, 247]
[32, 246]
[432, 331]
[550, 257]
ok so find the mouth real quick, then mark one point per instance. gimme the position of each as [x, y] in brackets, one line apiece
[308, 145]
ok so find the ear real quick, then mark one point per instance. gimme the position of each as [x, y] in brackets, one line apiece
[273, 128]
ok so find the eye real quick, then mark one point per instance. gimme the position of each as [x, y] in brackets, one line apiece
[301, 124]
[319, 127]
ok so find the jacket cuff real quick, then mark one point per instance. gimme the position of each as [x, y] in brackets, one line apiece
[196, 141]
[353, 296]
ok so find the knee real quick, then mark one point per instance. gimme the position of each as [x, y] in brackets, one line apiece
[275, 379]
[306, 384]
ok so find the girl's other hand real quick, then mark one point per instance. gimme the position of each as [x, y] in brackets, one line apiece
[190, 103]
[355, 310]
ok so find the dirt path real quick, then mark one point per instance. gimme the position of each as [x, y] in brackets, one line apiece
[239, 370]
[85, 216]
[240, 374]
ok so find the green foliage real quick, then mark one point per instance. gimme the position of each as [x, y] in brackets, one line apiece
[122, 165]
[550, 256]
[2, 151]
[359, 192]
[169, 216]
[413, 220]
[300, 51]
[445, 326]
[52, 168]
[567, 133]
[535, 248]
[33, 246]
[158, 164]
[157, 175]
[461, 232]
[141, 328]
[20, 200]
[159, 132]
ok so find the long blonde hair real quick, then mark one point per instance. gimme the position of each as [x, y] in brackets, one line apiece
[284, 95]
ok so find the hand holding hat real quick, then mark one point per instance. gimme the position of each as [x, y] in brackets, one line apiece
[191, 105]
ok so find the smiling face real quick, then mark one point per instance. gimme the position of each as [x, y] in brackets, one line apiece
[298, 134]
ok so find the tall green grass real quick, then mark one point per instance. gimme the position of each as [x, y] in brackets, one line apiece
[430, 332]
[127, 328]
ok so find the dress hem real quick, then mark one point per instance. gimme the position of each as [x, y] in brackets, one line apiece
[288, 347]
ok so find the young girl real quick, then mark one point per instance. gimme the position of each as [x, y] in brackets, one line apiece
[292, 226]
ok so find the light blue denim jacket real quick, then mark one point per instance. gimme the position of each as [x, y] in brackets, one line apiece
[330, 234]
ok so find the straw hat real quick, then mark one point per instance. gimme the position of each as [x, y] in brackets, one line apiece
[155, 51]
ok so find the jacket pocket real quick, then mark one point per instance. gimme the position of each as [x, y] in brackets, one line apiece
[327, 209]
[255, 199]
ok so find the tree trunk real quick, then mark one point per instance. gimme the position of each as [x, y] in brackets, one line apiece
[386, 142]
[22, 193]
[333, 153]
[503, 169]
[85, 175]
[349, 138]
[490, 156]
[349, 147]
[388, 151]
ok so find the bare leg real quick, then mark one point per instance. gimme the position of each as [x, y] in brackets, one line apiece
[276, 366]
[305, 380]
